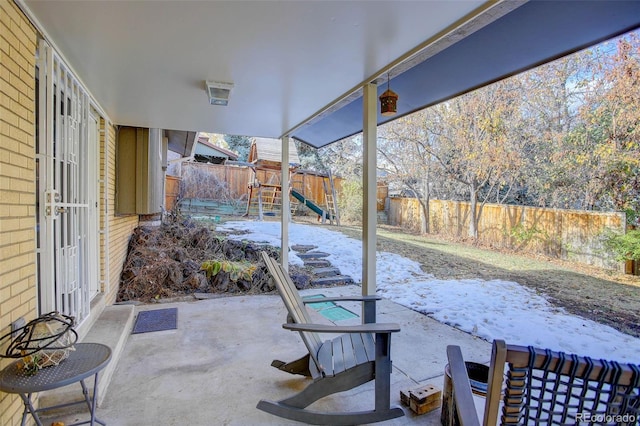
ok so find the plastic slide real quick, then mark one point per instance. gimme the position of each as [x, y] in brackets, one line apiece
[310, 204]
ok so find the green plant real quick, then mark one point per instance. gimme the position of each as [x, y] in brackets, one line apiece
[236, 270]
[350, 201]
[522, 234]
[633, 216]
[624, 246]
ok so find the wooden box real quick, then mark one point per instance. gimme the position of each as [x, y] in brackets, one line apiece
[422, 399]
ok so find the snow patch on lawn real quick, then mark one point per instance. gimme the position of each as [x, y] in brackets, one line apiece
[494, 309]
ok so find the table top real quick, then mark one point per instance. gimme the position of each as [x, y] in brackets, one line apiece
[86, 360]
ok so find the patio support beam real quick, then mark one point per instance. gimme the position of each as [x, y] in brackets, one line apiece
[369, 136]
[286, 209]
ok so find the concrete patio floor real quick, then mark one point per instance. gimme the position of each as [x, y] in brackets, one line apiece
[215, 367]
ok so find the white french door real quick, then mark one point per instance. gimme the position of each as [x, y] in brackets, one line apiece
[66, 167]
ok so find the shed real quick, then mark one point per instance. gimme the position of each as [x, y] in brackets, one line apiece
[266, 153]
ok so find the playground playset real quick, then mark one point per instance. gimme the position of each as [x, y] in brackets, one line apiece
[265, 190]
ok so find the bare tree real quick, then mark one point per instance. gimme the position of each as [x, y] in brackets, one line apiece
[469, 137]
[611, 129]
[405, 156]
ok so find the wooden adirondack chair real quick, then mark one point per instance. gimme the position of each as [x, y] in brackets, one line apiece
[543, 387]
[360, 354]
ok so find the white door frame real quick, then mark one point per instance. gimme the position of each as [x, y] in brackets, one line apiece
[67, 158]
[93, 195]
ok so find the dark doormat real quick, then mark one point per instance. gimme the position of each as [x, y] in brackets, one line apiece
[156, 320]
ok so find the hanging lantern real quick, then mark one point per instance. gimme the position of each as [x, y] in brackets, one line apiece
[388, 101]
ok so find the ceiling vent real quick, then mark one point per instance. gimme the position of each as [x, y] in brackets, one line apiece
[218, 92]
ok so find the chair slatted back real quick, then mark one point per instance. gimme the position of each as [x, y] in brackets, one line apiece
[293, 302]
[554, 388]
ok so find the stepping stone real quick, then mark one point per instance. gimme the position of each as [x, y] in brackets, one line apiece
[317, 263]
[312, 255]
[302, 248]
[326, 272]
[337, 279]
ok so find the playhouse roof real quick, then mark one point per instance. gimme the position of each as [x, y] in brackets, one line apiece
[266, 151]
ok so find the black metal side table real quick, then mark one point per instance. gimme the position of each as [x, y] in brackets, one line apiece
[87, 359]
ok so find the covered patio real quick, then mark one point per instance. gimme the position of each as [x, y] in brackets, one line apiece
[308, 70]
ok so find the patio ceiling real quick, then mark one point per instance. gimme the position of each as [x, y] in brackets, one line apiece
[533, 34]
[145, 62]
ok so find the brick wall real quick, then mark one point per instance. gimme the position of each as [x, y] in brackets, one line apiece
[120, 227]
[18, 41]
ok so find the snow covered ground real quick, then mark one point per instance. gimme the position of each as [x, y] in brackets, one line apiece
[493, 309]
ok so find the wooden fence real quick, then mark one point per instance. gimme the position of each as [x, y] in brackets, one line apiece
[171, 191]
[311, 185]
[231, 182]
[566, 234]
[213, 181]
[382, 193]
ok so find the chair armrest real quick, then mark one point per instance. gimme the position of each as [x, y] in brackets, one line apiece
[462, 394]
[362, 328]
[342, 299]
